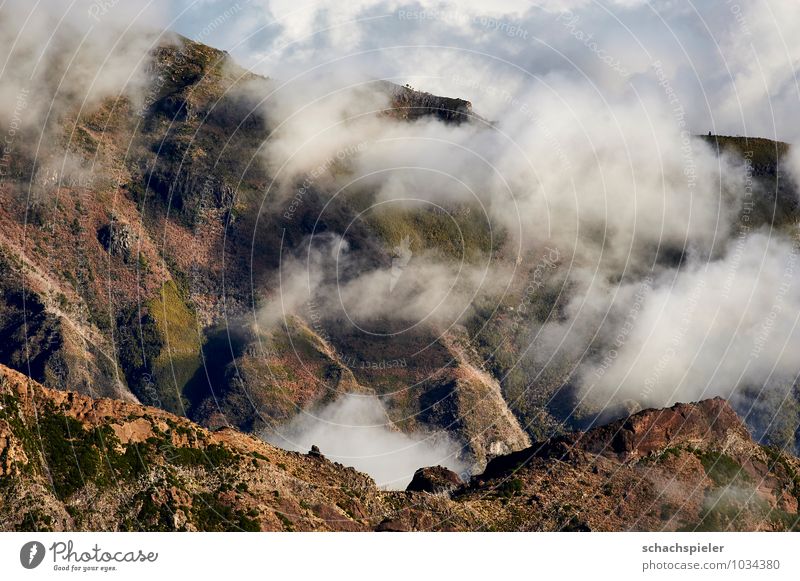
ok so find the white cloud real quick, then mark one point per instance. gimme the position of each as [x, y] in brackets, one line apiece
[355, 431]
[709, 330]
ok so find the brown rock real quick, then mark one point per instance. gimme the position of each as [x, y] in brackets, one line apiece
[435, 480]
[703, 423]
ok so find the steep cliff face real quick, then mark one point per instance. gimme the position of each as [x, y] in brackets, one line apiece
[71, 462]
[472, 401]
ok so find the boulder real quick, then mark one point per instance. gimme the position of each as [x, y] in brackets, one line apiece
[435, 480]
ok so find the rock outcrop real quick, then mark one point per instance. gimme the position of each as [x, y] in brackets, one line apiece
[117, 239]
[711, 423]
[410, 105]
[435, 480]
[708, 422]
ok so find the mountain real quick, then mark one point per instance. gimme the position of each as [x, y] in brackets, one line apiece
[139, 249]
[134, 278]
[71, 462]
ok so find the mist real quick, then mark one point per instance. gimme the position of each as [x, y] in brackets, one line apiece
[355, 431]
[58, 62]
[712, 329]
[613, 193]
[666, 291]
[73, 55]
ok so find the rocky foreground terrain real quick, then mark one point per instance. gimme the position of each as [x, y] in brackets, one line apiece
[71, 462]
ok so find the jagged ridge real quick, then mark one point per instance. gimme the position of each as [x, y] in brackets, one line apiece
[70, 462]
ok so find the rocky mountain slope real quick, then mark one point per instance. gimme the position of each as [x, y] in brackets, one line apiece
[71, 462]
[136, 252]
[133, 276]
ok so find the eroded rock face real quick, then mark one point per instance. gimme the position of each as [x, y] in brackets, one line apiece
[12, 456]
[702, 423]
[435, 480]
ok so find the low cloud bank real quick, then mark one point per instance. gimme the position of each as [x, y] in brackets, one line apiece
[355, 431]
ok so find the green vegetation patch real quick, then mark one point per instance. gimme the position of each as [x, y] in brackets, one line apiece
[210, 514]
[721, 468]
[150, 514]
[180, 357]
[75, 456]
[35, 521]
[511, 487]
[464, 232]
[721, 517]
[159, 349]
[213, 456]
[662, 456]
